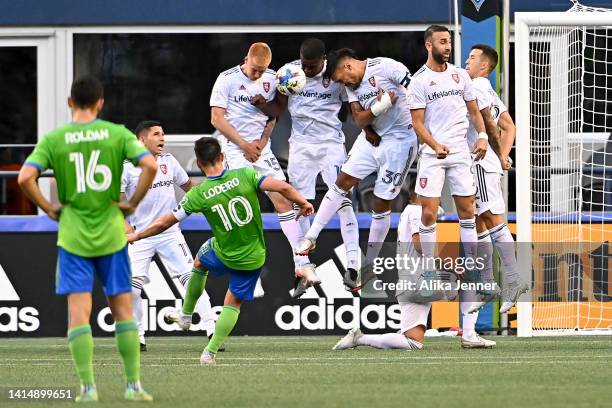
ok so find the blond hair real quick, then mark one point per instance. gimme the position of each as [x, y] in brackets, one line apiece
[261, 53]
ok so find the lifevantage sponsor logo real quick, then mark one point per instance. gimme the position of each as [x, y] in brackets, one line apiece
[338, 308]
[20, 319]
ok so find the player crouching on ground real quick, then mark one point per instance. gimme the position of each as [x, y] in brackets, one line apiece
[228, 200]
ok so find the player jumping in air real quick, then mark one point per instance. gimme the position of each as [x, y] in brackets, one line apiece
[228, 200]
[169, 246]
[247, 131]
[87, 159]
[376, 89]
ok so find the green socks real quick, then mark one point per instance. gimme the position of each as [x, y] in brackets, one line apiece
[126, 334]
[194, 290]
[224, 326]
[80, 342]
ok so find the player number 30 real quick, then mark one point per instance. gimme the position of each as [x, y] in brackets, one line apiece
[233, 214]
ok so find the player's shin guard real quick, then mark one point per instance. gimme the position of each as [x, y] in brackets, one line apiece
[202, 306]
[195, 287]
[350, 233]
[137, 283]
[485, 253]
[329, 206]
[469, 238]
[224, 326]
[126, 335]
[80, 342]
[503, 241]
[381, 222]
[294, 234]
[304, 222]
[389, 341]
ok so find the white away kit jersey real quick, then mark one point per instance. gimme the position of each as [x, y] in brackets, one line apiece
[487, 98]
[314, 111]
[388, 75]
[161, 198]
[443, 96]
[233, 91]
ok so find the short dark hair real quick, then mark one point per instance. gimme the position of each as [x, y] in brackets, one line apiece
[207, 150]
[312, 48]
[489, 53]
[334, 58]
[145, 125]
[434, 29]
[86, 91]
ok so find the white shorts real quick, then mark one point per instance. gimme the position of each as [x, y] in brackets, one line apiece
[390, 160]
[413, 315]
[489, 196]
[307, 160]
[266, 165]
[456, 167]
[172, 249]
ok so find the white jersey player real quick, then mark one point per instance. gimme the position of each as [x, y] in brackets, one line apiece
[490, 205]
[169, 246]
[247, 130]
[376, 90]
[316, 145]
[440, 97]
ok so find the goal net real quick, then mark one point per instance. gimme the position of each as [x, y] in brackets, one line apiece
[564, 169]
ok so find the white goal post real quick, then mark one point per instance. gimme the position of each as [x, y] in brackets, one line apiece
[563, 87]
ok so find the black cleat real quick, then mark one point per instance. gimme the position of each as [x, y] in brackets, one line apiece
[300, 289]
[143, 347]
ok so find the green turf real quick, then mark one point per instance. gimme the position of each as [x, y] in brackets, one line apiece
[303, 371]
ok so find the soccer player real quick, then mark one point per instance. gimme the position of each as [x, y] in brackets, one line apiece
[376, 89]
[440, 98]
[169, 246]
[247, 130]
[87, 158]
[490, 206]
[228, 200]
[316, 145]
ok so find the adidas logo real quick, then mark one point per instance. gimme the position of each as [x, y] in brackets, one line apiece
[432, 83]
[242, 88]
[23, 319]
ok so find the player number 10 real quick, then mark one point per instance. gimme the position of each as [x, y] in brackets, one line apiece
[218, 208]
[87, 177]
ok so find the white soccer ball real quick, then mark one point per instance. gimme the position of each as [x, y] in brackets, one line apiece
[290, 79]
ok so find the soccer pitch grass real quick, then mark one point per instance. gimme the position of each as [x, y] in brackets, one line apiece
[304, 372]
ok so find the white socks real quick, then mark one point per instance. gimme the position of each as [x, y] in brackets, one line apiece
[350, 233]
[332, 201]
[294, 234]
[503, 241]
[469, 239]
[485, 252]
[389, 341]
[427, 234]
[137, 283]
[468, 320]
[381, 222]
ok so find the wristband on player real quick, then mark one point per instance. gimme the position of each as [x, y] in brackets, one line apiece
[483, 135]
[381, 106]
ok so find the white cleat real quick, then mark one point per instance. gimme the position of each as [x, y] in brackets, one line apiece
[308, 274]
[476, 306]
[350, 340]
[207, 358]
[174, 316]
[259, 290]
[305, 246]
[476, 342]
[510, 295]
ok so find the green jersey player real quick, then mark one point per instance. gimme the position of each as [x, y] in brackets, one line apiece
[228, 200]
[87, 159]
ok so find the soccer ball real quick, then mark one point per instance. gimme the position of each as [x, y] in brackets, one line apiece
[290, 80]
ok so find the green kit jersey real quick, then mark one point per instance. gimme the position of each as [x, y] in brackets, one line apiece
[87, 160]
[230, 204]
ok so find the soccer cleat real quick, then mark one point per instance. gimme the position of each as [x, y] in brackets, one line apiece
[351, 279]
[208, 358]
[307, 271]
[476, 342]
[472, 276]
[139, 395]
[425, 288]
[174, 316]
[350, 340]
[300, 289]
[305, 246]
[510, 295]
[143, 347]
[259, 290]
[486, 295]
[221, 347]
[90, 394]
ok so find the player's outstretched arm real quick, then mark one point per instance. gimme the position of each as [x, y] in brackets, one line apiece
[28, 176]
[149, 169]
[483, 140]
[218, 120]
[418, 122]
[272, 108]
[157, 227]
[508, 134]
[287, 191]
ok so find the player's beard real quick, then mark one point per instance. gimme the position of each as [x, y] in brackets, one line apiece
[438, 56]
